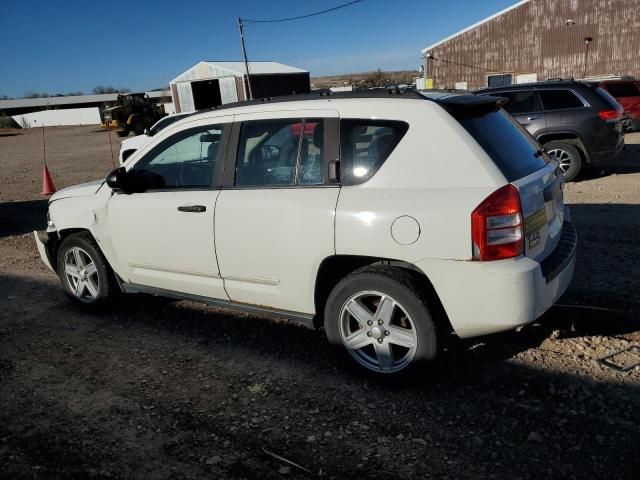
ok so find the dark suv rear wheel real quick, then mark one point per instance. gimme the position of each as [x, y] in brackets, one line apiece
[568, 158]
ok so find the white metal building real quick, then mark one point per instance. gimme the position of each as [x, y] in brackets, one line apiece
[68, 110]
[210, 84]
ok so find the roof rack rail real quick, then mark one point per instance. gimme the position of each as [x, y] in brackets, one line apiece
[322, 95]
[560, 79]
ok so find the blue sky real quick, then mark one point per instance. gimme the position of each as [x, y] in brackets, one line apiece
[69, 45]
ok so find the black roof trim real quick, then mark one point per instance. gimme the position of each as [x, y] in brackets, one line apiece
[451, 100]
[546, 83]
[322, 95]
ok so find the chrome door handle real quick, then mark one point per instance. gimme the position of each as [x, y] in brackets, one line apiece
[533, 118]
[192, 208]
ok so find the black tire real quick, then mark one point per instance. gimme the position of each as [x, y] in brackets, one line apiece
[569, 156]
[411, 308]
[138, 127]
[102, 281]
[122, 133]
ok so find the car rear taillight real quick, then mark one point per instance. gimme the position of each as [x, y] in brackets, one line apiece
[497, 226]
[609, 114]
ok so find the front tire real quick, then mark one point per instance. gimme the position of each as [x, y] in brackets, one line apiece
[84, 272]
[379, 318]
[568, 158]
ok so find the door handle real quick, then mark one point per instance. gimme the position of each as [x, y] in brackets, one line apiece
[533, 118]
[192, 208]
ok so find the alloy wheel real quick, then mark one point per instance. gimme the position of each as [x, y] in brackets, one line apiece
[378, 332]
[81, 274]
[562, 157]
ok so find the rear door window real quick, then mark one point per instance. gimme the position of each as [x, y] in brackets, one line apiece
[521, 102]
[365, 145]
[559, 99]
[280, 153]
[509, 145]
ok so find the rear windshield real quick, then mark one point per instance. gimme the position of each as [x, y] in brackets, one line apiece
[623, 90]
[510, 147]
[608, 99]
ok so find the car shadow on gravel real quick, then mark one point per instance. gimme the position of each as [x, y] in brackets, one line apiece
[628, 162]
[17, 218]
[214, 328]
[175, 389]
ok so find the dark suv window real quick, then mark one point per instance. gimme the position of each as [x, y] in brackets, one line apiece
[365, 145]
[623, 90]
[510, 147]
[559, 99]
[521, 102]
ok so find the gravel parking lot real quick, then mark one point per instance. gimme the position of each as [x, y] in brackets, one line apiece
[154, 388]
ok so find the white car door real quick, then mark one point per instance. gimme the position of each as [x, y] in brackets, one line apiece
[164, 236]
[274, 218]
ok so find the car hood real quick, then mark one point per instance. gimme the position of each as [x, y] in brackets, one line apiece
[88, 188]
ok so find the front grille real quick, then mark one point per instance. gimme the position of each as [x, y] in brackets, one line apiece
[563, 253]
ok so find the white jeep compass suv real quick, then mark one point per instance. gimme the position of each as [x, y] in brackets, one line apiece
[365, 214]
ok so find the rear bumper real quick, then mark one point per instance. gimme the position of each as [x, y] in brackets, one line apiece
[43, 243]
[488, 297]
[608, 156]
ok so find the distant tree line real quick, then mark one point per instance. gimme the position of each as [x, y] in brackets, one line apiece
[100, 89]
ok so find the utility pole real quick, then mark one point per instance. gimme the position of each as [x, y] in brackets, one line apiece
[587, 41]
[244, 54]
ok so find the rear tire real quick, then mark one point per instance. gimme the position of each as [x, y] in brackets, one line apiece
[568, 157]
[85, 274]
[379, 319]
[138, 127]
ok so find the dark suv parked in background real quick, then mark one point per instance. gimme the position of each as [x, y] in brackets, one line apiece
[576, 122]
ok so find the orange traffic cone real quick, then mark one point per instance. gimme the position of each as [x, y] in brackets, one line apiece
[47, 182]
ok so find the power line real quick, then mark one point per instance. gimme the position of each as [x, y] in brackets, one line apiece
[303, 16]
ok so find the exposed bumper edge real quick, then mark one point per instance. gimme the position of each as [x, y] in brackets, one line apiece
[42, 241]
[481, 298]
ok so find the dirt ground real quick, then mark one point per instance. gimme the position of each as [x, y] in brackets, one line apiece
[160, 389]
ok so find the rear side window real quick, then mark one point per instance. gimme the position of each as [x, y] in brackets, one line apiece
[521, 102]
[623, 90]
[559, 99]
[510, 147]
[365, 145]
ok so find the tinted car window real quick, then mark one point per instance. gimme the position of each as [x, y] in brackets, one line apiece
[521, 102]
[623, 90]
[511, 148]
[559, 99]
[280, 152]
[365, 145]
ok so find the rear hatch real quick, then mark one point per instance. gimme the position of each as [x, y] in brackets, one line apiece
[523, 163]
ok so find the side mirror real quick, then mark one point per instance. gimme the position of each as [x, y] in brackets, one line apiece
[117, 179]
[146, 132]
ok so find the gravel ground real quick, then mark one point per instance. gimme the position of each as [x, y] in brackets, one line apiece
[154, 388]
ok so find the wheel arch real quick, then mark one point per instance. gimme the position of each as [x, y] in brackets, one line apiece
[57, 239]
[334, 268]
[567, 136]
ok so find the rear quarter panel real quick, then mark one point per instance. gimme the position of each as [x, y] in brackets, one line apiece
[437, 175]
